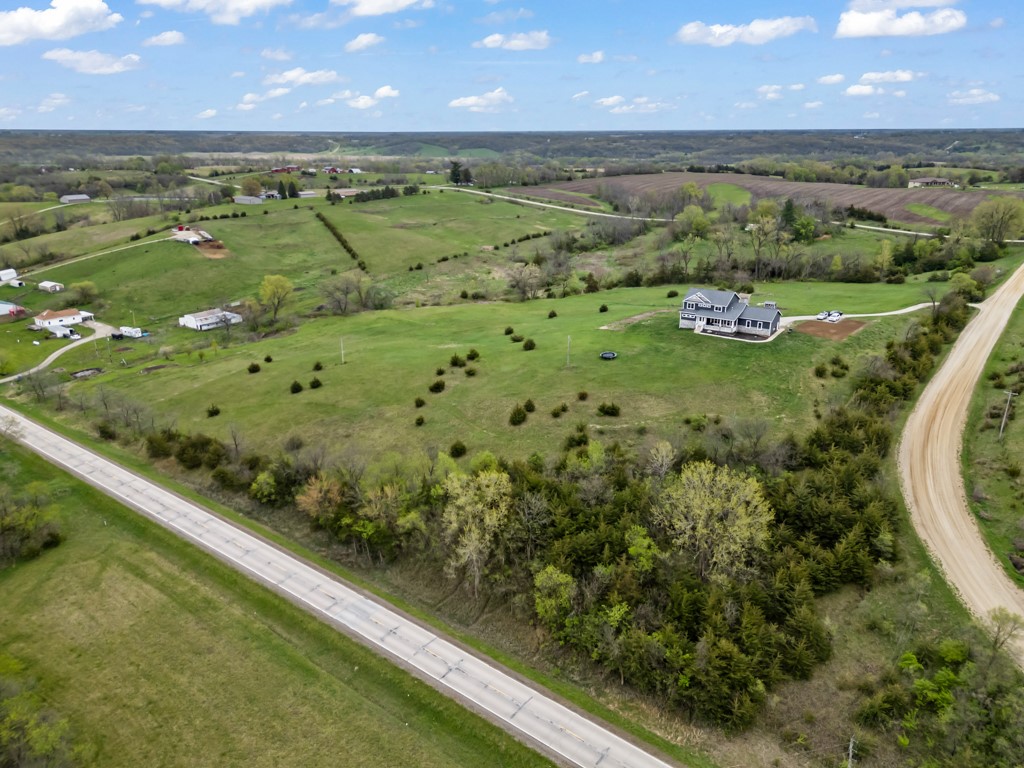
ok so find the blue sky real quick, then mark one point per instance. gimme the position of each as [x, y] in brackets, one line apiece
[440, 65]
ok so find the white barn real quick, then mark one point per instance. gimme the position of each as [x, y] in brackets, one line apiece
[210, 319]
[48, 286]
[69, 199]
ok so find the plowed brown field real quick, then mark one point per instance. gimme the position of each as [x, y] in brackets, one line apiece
[891, 202]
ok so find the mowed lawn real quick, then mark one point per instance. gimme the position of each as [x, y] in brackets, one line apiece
[662, 375]
[161, 656]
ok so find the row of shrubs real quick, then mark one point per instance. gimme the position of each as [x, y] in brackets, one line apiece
[342, 240]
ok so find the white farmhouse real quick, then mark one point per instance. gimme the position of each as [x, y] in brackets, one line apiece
[50, 318]
[725, 312]
[210, 319]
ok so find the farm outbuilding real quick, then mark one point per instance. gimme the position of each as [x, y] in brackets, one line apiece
[6, 275]
[71, 199]
[48, 286]
[248, 200]
[210, 319]
[10, 311]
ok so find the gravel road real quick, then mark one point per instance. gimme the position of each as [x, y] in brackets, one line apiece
[930, 473]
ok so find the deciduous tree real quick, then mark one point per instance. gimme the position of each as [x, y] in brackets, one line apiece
[476, 513]
[718, 517]
[275, 293]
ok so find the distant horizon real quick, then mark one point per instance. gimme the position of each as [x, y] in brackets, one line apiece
[355, 66]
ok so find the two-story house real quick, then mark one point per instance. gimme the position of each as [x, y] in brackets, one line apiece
[724, 312]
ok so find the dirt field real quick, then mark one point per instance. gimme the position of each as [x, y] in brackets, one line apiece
[832, 331]
[214, 250]
[891, 202]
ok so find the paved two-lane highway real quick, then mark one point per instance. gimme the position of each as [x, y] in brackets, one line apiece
[525, 711]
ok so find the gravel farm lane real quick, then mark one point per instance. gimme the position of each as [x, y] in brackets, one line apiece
[527, 712]
[930, 472]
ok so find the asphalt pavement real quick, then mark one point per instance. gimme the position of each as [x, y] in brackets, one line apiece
[522, 709]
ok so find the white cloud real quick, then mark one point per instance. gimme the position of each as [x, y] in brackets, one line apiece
[871, 115]
[770, 92]
[363, 41]
[973, 96]
[797, 87]
[381, 7]
[386, 92]
[504, 17]
[250, 100]
[831, 79]
[93, 62]
[591, 58]
[276, 54]
[362, 102]
[888, 23]
[519, 41]
[324, 102]
[899, 94]
[862, 90]
[997, 23]
[206, 114]
[813, 104]
[893, 76]
[172, 37]
[580, 95]
[745, 105]
[491, 101]
[219, 11]
[299, 76]
[9, 113]
[640, 105]
[62, 20]
[345, 94]
[610, 101]
[757, 32]
[52, 102]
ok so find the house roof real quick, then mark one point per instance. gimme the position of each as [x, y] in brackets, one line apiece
[710, 296]
[49, 314]
[206, 314]
[761, 313]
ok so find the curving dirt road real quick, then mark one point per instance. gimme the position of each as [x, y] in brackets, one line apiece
[929, 462]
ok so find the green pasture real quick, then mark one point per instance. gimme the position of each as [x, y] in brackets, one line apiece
[929, 212]
[18, 353]
[733, 194]
[158, 654]
[991, 466]
[392, 235]
[9, 210]
[662, 374]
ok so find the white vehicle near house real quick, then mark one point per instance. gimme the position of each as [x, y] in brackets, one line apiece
[835, 316]
[131, 333]
[823, 315]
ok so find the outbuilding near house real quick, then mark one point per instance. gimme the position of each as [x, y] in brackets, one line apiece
[210, 319]
[48, 286]
[725, 313]
[6, 275]
[248, 200]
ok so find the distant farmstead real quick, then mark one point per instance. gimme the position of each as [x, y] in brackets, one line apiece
[50, 318]
[71, 199]
[930, 181]
[724, 312]
[210, 319]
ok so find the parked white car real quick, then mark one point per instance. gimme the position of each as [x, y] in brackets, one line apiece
[823, 315]
[835, 316]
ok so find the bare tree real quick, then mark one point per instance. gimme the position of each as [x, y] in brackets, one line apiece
[338, 293]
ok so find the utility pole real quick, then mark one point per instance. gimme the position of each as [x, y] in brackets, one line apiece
[568, 349]
[849, 758]
[341, 340]
[1006, 411]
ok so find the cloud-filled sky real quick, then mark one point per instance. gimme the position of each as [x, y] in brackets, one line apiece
[472, 65]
